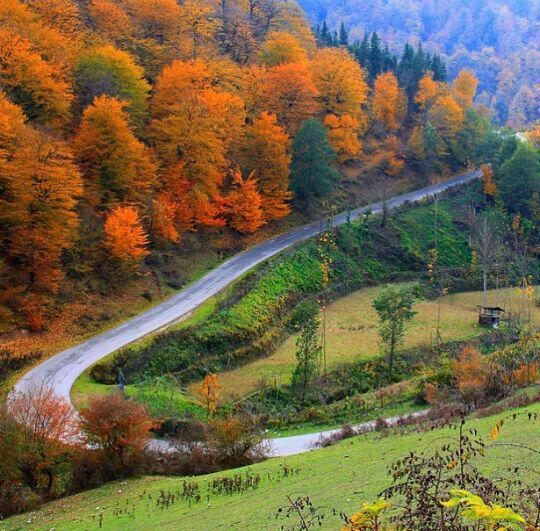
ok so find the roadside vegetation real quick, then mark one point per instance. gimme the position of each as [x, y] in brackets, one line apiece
[339, 477]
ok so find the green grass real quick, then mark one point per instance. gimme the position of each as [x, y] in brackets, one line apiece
[162, 398]
[339, 476]
[352, 334]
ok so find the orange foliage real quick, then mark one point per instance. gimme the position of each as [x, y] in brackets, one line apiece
[177, 81]
[490, 188]
[428, 89]
[41, 186]
[163, 218]
[110, 20]
[465, 86]
[343, 136]
[32, 82]
[289, 92]
[245, 205]
[525, 375]
[62, 15]
[209, 389]
[263, 152]
[341, 83]
[117, 166]
[58, 49]
[48, 417]
[155, 19]
[472, 372]
[124, 235]
[282, 47]
[195, 138]
[51, 427]
[389, 102]
[447, 116]
[120, 428]
[197, 29]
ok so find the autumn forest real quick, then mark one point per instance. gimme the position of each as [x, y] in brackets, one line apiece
[128, 123]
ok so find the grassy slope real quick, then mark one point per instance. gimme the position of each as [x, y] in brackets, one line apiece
[338, 477]
[352, 333]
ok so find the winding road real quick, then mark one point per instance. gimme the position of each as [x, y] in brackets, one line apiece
[62, 370]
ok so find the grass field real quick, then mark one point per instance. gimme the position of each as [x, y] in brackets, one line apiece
[339, 476]
[352, 333]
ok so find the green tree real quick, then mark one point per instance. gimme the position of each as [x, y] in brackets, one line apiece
[519, 181]
[306, 320]
[312, 173]
[394, 308]
[112, 72]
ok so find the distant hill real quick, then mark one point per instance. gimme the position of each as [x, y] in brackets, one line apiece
[499, 40]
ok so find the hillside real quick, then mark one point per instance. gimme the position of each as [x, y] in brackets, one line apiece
[337, 477]
[498, 39]
[146, 140]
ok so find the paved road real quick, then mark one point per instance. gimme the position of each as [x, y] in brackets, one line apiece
[61, 370]
[298, 444]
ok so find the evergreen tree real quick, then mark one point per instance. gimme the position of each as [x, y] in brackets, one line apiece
[438, 68]
[343, 35]
[375, 56]
[361, 52]
[325, 37]
[312, 173]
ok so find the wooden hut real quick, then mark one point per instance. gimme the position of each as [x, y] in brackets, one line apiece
[490, 316]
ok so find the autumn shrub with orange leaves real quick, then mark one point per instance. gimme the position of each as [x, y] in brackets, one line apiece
[476, 379]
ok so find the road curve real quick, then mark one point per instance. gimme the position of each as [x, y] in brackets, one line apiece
[60, 371]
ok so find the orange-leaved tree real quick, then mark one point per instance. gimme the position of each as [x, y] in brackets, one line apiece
[341, 83]
[446, 114]
[39, 87]
[263, 152]
[490, 188]
[49, 428]
[125, 237]
[40, 185]
[389, 102]
[465, 86]
[428, 89]
[117, 167]
[245, 204]
[343, 136]
[194, 140]
[118, 427]
[472, 372]
[281, 47]
[289, 92]
[110, 20]
[164, 227]
[209, 389]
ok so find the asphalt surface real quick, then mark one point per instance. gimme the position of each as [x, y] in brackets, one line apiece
[62, 370]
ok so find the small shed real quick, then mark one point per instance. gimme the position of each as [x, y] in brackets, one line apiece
[490, 316]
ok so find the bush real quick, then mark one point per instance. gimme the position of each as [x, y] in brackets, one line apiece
[11, 362]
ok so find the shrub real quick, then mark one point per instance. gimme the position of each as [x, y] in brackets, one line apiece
[119, 428]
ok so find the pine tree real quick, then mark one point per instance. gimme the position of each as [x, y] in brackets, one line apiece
[343, 35]
[312, 173]
[375, 56]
